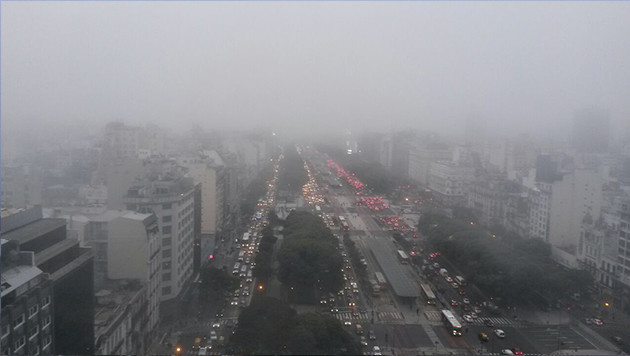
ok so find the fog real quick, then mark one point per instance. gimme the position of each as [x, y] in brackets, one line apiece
[312, 66]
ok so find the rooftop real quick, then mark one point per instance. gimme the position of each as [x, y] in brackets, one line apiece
[112, 301]
[33, 230]
[402, 283]
[15, 277]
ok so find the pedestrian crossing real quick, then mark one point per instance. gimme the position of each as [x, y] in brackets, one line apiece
[380, 316]
[496, 321]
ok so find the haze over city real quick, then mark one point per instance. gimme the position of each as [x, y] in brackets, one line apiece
[315, 178]
[522, 67]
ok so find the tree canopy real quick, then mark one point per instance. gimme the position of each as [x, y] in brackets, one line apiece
[308, 258]
[269, 326]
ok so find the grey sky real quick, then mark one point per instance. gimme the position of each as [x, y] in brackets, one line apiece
[524, 66]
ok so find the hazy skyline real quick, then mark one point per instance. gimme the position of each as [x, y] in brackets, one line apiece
[524, 66]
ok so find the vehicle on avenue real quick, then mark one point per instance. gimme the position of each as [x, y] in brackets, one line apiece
[216, 324]
[449, 279]
[483, 337]
[598, 322]
[455, 285]
[488, 323]
[454, 302]
[347, 323]
[466, 301]
[499, 333]
[372, 335]
[507, 352]
[376, 350]
[363, 341]
[516, 351]
[467, 318]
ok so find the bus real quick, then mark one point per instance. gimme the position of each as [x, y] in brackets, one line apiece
[380, 279]
[428, 294]
[402, 256]
[452, 324]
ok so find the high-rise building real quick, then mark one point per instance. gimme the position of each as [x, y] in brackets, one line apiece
[21, 186]
[166, 192]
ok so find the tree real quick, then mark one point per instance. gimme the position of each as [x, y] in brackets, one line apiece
[216, 281]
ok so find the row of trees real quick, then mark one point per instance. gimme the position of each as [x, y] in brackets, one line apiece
[505, 266]
[355, 258]
[215, 282]
[264, 263]
[292, 175]
[308, 259]
[270, 326]
[256, 189]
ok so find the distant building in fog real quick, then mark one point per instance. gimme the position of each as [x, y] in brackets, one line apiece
[21, 186]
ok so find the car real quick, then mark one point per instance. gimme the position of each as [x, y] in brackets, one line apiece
[598, 322]
[245, 293]
[477, 310]
[347, 323]
[436, 265]
[454, 303]
[363, 341]
[376, 350]
[334, 310]
[216, 324]
[234, 301]
[449, 279]
[213, 335]
[488, 323]
[499, 333]
[372, 335]
[617, 339]
[466, 301]
[455, 285]
[507, 352]
[516, 351]
[473, 315]
[588, 321]
[323, 301]
[467, 318]
[219, 314]
[483, 337]
[462, 292]
[466, 308]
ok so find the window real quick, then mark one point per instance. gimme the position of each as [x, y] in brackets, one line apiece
[166, 229]
[166, 241]
[166, 277]
[47, 321]
[47, 341]
[18, 321]
[166, 265]
[32, 311]
[166, 206]
[166, 253]
[19, 343]
[45, 302]
[166, 218]
[33, 332]
[5, 331]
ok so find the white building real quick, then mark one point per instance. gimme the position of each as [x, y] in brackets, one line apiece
[446, 181]
[420, 159]
[170, 196]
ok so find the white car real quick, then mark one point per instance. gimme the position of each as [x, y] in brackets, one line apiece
[466, 301]
[499, 333]
[347, 323]
[213, 335]
[377, 350]
[467, 318]
[216, 324]
[507, 352]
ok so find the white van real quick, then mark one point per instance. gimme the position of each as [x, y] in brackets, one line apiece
[443, 272]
